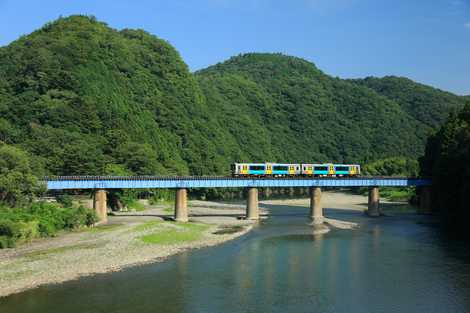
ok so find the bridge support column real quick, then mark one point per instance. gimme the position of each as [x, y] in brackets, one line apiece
[373, 208]
[181, 205]
[252, 209]
[100, 205]
[424, 200]
[316, 209]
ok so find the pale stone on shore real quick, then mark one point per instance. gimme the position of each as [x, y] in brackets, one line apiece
[76, 254]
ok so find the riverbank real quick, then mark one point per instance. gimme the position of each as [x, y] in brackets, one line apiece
[133, 238]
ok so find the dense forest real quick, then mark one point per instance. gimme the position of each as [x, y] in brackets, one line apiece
[82, 98]
[447, 160]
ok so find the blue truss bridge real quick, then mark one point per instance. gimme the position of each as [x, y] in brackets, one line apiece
[101, 184]
[144, 182]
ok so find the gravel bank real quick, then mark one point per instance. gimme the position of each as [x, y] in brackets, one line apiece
[110, 248]
[119, 244]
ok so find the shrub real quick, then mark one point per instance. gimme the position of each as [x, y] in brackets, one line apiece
[41, 219]
[65, 200]
[6, 242]
[8, 228]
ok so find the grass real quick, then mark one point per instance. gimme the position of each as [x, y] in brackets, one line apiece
[397, 194]
[146, 226]
[182, 233]
[136, 206]
[35, 255]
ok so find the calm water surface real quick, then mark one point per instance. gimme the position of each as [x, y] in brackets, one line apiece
[391, 264]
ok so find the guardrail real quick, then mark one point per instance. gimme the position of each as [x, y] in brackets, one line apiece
[150, 182]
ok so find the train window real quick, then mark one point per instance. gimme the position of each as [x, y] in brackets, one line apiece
[342, 168]
[279, 168]
[257, 168]
[321, 168]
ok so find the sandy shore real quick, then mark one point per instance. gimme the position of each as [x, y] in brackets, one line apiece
[120, 243]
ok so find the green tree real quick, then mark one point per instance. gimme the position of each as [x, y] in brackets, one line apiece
[447, 161]
[18, 185]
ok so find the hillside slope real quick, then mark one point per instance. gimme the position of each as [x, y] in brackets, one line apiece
[88, 99]
[426, 104]
[303, 114]
[85, 99]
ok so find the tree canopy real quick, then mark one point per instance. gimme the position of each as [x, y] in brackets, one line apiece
[447, 160]
[81, 98]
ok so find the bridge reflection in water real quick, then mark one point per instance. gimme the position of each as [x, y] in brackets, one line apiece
[102, 183]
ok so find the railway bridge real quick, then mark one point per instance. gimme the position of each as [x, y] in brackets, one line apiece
[102, 183]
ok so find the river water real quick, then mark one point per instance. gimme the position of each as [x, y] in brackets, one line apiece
[390, 264]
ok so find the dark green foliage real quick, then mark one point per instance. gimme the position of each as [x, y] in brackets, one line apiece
[40, 219]
[397, 166]
[65, 200]
[18, 184]
[81, 96]
[428, 105]
[447, 160]
[284, 108]
[86, 99]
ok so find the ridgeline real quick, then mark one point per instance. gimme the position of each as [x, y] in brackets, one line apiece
[82, 98]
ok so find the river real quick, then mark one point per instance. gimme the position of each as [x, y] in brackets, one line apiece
[391, 264]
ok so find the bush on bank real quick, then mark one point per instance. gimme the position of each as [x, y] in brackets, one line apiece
[40, 219]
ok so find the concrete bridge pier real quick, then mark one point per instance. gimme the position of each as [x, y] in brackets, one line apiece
[373, 208]
[252, 208]
[316, 209]
[181, 205]
[100, 205]
[424, 200]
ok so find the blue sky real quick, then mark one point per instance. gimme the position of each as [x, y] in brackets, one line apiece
[425, 40]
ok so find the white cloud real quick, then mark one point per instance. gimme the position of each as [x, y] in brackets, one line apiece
[467, 25]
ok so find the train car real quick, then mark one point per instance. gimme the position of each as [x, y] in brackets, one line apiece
[282, 169]
[292, 169]
[330, 170]
[317, 170]
[266, 169]
[354, 169]
[248, 169]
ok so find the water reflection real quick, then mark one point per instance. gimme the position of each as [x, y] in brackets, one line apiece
[388, 265]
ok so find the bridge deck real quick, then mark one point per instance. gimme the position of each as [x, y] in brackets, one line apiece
[142, 182]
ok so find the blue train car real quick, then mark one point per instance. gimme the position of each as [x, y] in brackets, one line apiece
[290, 169]
[246, 169]
[282, 169]
[329, 169]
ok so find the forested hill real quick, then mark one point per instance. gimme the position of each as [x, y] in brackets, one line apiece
[83, 98]
[428, 105]
[87, 99]
[303, 113]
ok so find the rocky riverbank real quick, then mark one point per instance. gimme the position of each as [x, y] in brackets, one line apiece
[132, 238]
[128, 239]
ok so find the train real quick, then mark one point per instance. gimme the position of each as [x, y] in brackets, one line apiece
[294, 170]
